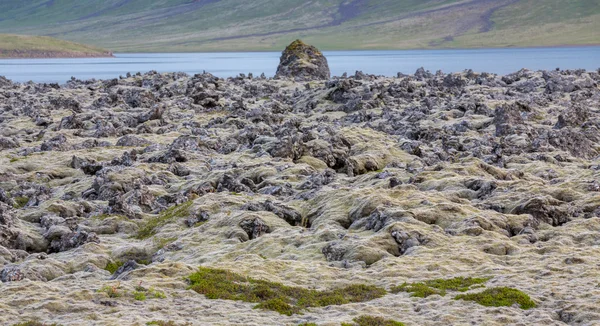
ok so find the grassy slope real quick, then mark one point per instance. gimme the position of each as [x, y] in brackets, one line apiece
[193, 25]
[23, 46]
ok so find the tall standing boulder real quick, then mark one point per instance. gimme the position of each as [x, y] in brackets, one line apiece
[303, 62]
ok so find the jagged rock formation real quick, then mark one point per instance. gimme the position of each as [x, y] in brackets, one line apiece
[354, 179]
[302, 62]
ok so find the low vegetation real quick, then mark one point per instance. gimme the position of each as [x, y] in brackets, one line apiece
[499, 297]
[439, 286]
[26, 46]
[372, 321]
[20, 202]
[149, 228]
[287, 300]
[139, 295]
[35, 323]
[166, 323]
[113, 291]
[112, 267]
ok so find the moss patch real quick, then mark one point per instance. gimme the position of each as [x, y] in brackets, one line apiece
[439, 286]
[156, 294]
[499, 297]
[113, 291]
[20, 202]
[149, 228]
[139, 295]
[374, 321]
[112, 267]
[287, 300]
[166, 323]
[35, 323]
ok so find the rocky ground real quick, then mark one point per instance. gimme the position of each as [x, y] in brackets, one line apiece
[314, 184]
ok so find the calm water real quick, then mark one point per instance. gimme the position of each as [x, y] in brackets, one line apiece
[387, 63]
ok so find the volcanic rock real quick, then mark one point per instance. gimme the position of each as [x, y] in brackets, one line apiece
[303, 62]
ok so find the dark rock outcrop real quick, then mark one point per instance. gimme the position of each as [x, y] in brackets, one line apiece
[303, 62]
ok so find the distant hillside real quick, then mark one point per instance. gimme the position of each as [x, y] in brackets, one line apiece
[194, 25]
[20, 46]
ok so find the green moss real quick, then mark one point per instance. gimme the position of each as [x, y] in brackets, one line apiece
[156, 294]
[375, 321]
[419, 290]
[149, 228]
[166, 323]
[222, 284]
[296, 48]
[279, 305]
[112, 267]
[439, 286]
[35, 323]
[113, 291]
[20, 202]
[499, 297]
[139, 295]
[307, 324]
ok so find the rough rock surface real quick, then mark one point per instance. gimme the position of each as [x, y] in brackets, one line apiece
[302, 62]
[359, 179]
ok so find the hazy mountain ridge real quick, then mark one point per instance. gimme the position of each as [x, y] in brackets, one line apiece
[184, 25]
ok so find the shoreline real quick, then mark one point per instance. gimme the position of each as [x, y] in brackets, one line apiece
[57, 55]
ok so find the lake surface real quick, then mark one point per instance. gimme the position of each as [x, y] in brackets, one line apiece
[389, 63]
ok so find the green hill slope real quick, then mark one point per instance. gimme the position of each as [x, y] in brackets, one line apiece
[23, 46]
[193, 25]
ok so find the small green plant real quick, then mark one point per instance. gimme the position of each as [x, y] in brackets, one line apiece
[112, 267]
[287, 300]
[308, 324]
[156, 294]
[113, 291]
[439, 286]
[499, 297]
[139, 295]
[373, 321]
[149, 228]
[20, 202]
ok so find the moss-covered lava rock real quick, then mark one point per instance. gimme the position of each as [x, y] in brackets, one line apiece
[303, 62]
